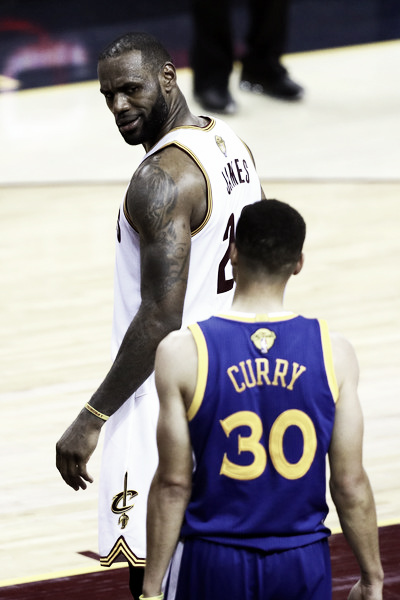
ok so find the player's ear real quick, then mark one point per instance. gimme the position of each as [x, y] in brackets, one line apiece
[233, 254]
[234, 257]
[168, 76]
[299, 265]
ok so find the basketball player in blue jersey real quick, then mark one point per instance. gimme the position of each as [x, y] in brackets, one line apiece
[172, 267]
[252, 402]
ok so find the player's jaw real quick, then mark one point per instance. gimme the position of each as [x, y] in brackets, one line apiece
[142, 127]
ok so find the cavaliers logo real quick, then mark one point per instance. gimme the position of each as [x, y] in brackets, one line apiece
[263, 339]
[221, 144]
[121, 509]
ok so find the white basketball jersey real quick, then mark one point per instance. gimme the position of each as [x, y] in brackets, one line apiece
[232, 182]
[130, 451]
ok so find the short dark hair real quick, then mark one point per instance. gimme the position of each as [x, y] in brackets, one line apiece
[270, 235]
[153, 51]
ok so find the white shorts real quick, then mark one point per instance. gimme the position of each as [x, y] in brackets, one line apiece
[128, 464]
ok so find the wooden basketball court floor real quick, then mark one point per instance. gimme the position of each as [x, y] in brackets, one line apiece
[63, 170]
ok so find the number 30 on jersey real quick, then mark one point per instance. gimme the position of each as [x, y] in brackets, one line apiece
[252, 444]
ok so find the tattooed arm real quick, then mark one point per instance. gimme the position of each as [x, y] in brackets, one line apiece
[160, 204]
[166, 199]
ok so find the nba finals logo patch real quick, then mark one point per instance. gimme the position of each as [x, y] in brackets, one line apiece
[221, 144]
[263, 339]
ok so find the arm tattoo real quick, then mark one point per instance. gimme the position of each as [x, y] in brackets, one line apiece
[160, 227]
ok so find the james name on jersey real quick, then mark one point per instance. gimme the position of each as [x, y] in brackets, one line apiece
[235, 172]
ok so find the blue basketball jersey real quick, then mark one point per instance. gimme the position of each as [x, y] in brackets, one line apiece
[260, 423]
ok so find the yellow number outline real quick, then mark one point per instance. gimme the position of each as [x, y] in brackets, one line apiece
[252, 444]
[249, 443]
[300, 419]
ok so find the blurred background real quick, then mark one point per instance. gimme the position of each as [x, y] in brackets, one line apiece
[43, 42]
[64, 168]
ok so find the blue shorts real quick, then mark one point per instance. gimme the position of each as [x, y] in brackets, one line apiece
[204, 570]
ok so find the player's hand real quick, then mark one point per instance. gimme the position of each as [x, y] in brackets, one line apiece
[362, 591]
[75, 447]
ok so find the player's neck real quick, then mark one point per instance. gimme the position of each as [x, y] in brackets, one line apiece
[179, 116]
[259, 299]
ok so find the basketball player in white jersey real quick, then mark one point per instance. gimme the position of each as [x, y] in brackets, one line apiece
[174, 230]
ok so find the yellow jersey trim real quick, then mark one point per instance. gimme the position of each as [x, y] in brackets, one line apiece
[207, 127]
[202, 370]
[121, 547]
[328, 359]
[126, 213]
[258, 318]
[208, 186]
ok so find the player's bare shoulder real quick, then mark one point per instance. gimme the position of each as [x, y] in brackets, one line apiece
[344, 359]
[177, 346]
[176, 358]
[170, 182]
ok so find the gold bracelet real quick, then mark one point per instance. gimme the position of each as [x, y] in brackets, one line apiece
[160, 597]
[96, 412]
